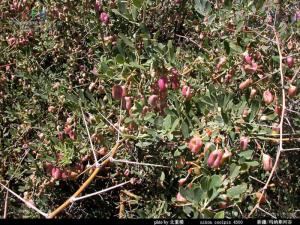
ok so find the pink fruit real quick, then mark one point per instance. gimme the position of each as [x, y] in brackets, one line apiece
[221, 62]
[126, 103]
[186, 92]
[181, 181]
[104, 17]
[48, 167]
[180, 198]
[195, 144]
[56, 173]
[244, 141]
[163, 83]
[253, 93]
[175, 84]
[153, 100]
[245, 84]
[290, 61]
[267, 162]
[118, 92]
[268, 97]
[174, 71]
[215, 158]
[292, 91]
[126, 173]
[227, 155]
[247, 58]
[251, 68]
[98, 5]
[72, 134]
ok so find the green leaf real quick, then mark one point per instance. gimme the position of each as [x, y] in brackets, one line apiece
[198, 195]
[120, 59]
[246, 154]
[126, 40]
[234, 170]
[175, 124]
[177, 153]
[138, 3]
[252, 163]
[185, 129]
[219, 215]
[236, 191]
[216, 181]
[228, 3]
[203, 7]
[167, 122]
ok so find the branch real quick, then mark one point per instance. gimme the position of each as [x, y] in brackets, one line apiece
[91, 143]
[100, 192]
[280, 148]
[27, 203]
[85, 184]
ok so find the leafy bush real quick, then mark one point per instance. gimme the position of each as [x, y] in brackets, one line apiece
[195, 91]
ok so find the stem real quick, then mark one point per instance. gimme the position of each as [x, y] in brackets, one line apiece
[280, 148]
[83, 186]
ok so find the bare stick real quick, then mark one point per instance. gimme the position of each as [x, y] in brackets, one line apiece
[27, 203]
[290, 149]
[274, 217]
[136, 163]
[5, 205]
[100, 192]
[91, 143]
[84, 185]
[280, 125]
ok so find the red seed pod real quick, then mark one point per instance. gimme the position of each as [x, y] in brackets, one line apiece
[227, 155]
[221, 62]
[245, 84]
[186, 92]
[290, 61]
[215, 158]
[104, 17]
[180, 198]
[195, 144]
[292, 91]
[252, 68]
[267, 162]
[247, 58]
[181, 181]
[56, 173]
[263, 199]
[253, 93]
[175, 84]
[126, 173]
[163, 83]
[126, 103]
[153, 100]
[244, 141]
[48, 167]
[268, 97]
[118, 92]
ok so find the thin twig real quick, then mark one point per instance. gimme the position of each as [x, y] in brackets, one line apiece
[100, 192]
[274, 217]
[85, 184]
[136, 163]
[27, 203]
[280, 125]
[290, 149]
[91, 143]
[5, 205]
